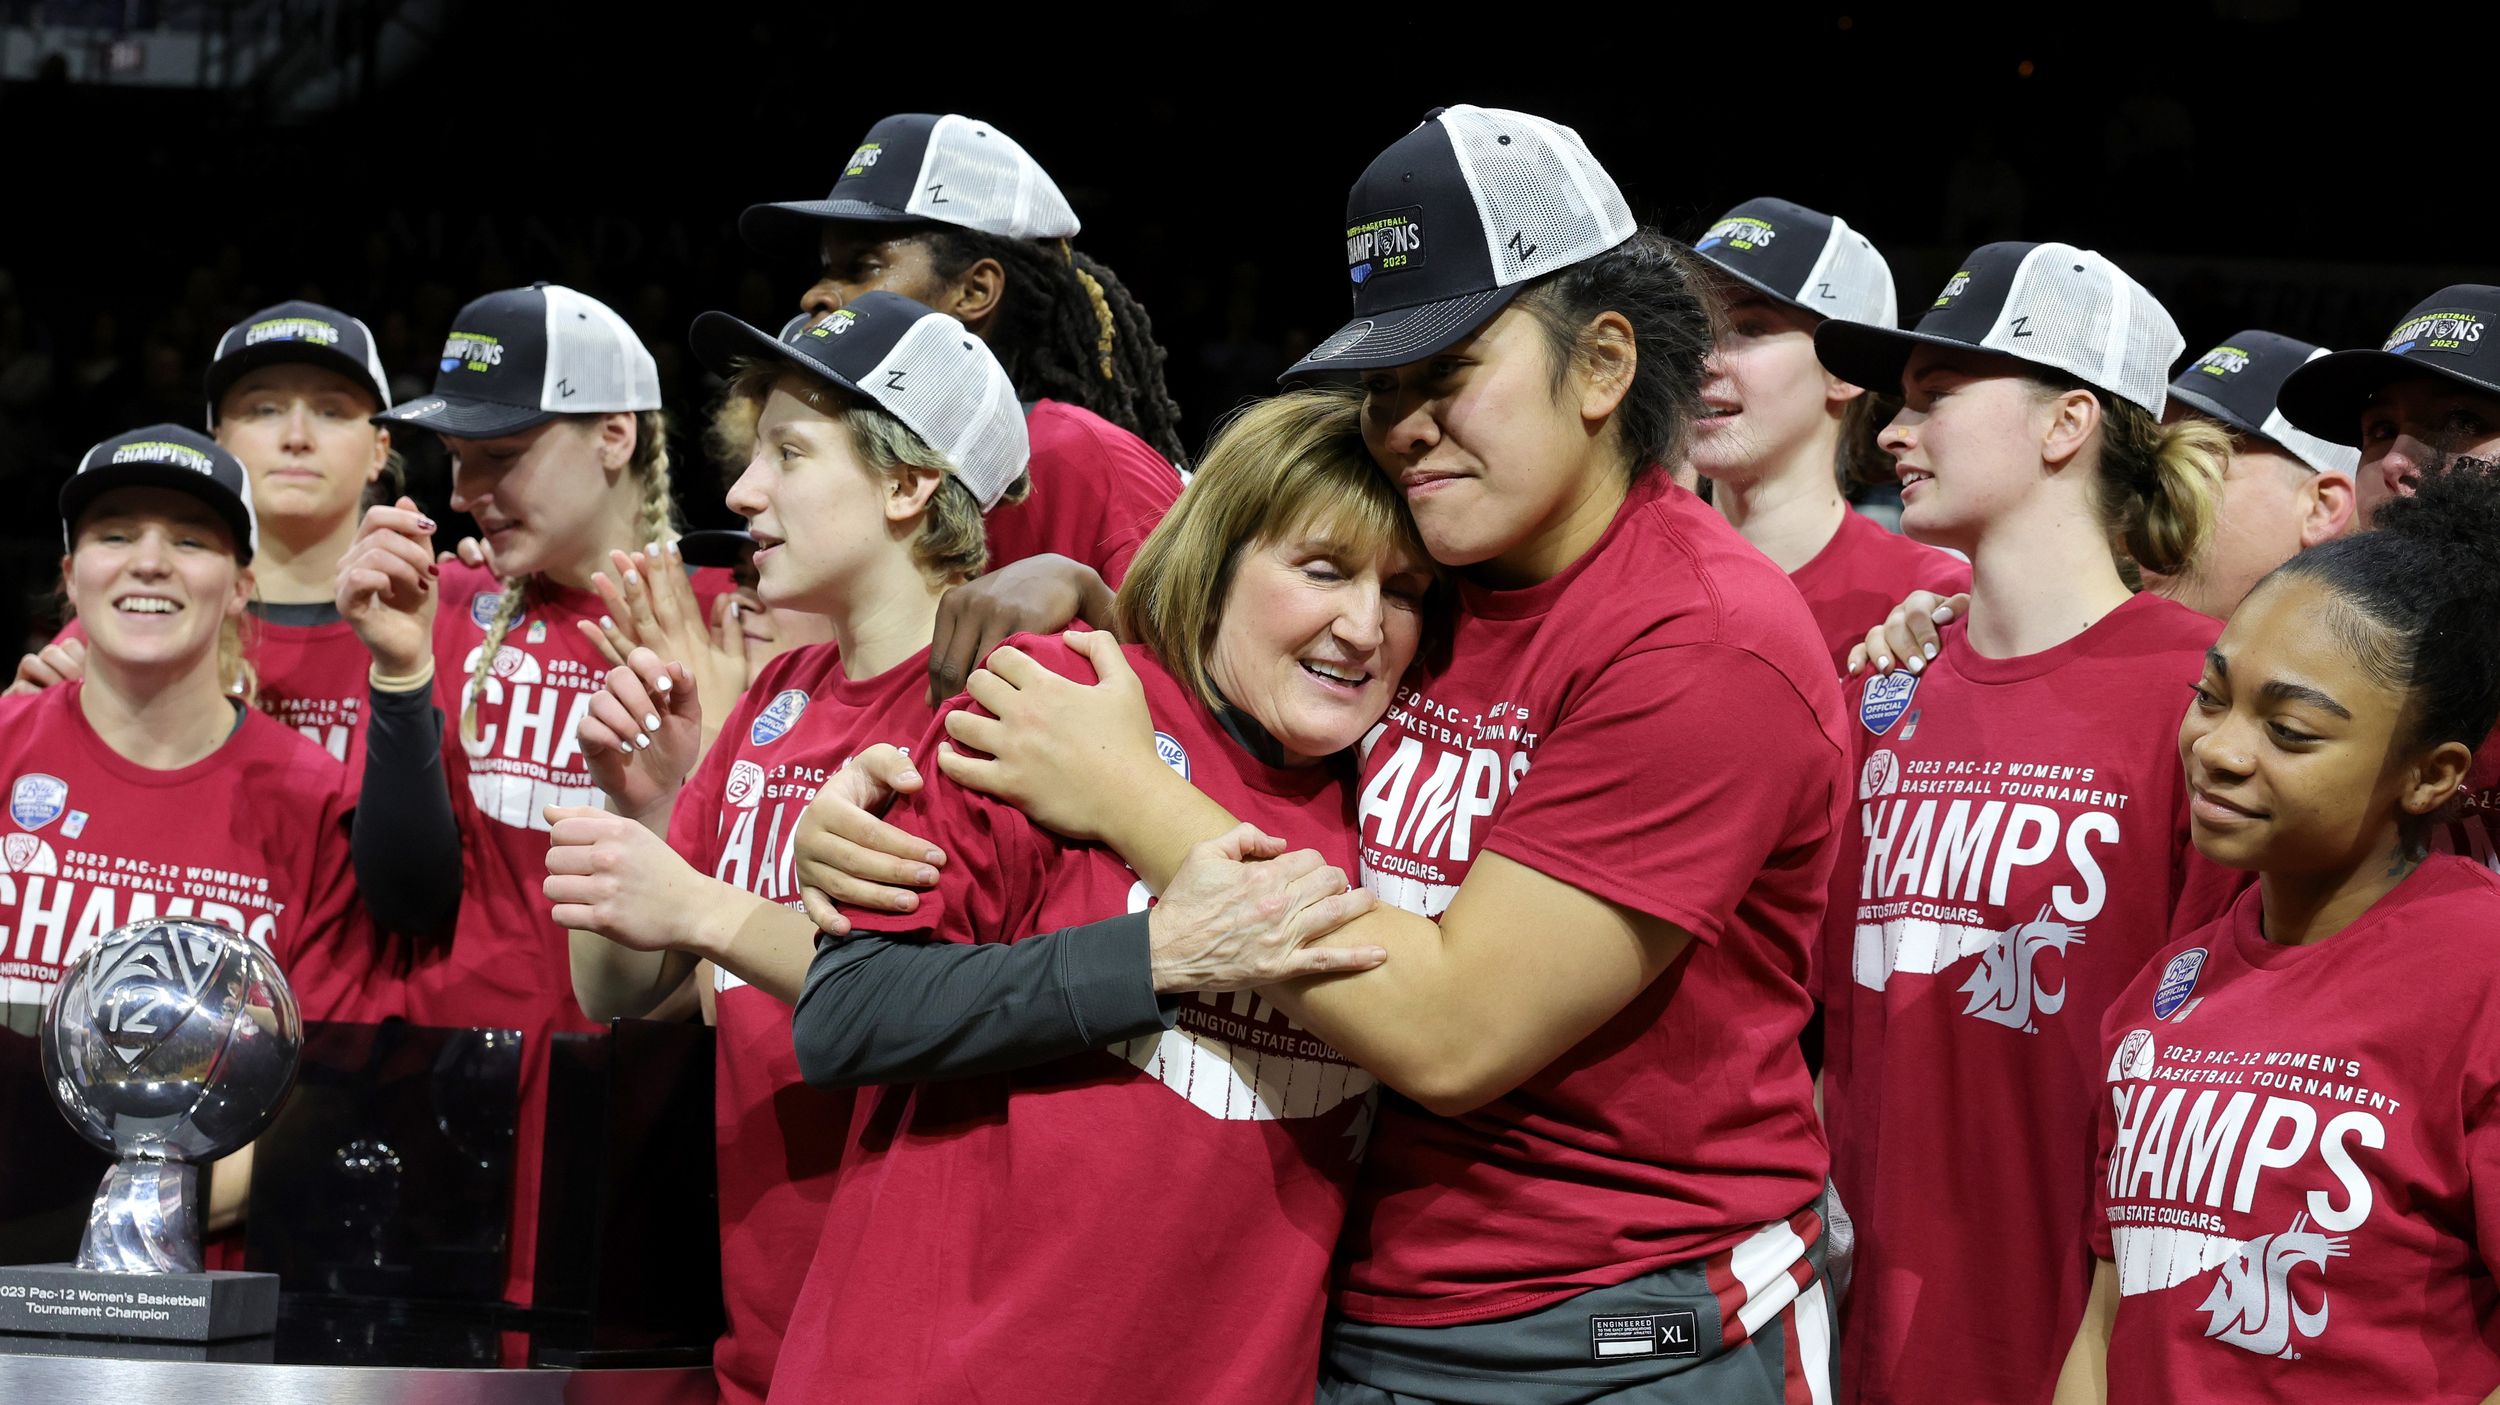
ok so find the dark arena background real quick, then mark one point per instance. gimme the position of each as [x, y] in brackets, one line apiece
[177, 163]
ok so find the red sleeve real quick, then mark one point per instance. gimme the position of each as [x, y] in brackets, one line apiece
[1144, 488]
[336, 960]
[1633, 795]
[988, 888]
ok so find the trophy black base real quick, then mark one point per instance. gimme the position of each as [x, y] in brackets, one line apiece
[63, 1300]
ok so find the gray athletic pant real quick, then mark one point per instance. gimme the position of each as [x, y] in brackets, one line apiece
[1657, 1340]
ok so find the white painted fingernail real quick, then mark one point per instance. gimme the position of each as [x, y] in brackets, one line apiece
[606, 623]
[1883, 661]
[667, 684]
[733, 609]
[1944, 614]
[1914, 663]
[632, 576]
[651, 721]
[643, 742]
[1931, 651]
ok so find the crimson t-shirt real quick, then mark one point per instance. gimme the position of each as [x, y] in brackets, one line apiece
[1097, 491]
[1657, 726]
[1861, 573]
[2300, 1157]
[253, 836]
[777, 1141]
[2019, 848]
[509, 966]
[312, 678]
[1150, 1222]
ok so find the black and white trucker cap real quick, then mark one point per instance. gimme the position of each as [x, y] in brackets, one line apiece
[2237, 383]
[166, 456]
[918, 168]
[519, 358]
[1803, 258]
[2051, 305]
[2447, 338]
[1448, 224]
[300, 332]
[917, 364]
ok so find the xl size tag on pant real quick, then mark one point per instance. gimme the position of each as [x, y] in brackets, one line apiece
[1676, 1333]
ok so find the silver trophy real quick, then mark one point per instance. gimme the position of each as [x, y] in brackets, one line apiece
[169, 1043]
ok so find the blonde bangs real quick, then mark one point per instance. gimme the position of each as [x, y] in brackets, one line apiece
[1289, 468]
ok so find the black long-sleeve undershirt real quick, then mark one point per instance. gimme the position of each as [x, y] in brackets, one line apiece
[880, 1009]
[406, 840]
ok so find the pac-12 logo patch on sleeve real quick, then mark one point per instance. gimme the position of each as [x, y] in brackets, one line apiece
[37, 800]
[1887, 697]
[745, 784]
[778, 717]
[2178, 982]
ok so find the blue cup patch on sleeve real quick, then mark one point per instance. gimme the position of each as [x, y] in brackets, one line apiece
[1887, 697]
[778, 717]
[2178, 982]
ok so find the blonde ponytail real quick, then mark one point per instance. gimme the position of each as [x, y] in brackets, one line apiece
[2160, 485]
[235, 672]
[507, 609]
[649, 465]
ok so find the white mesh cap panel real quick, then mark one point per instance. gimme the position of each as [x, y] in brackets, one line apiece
[2074, 310]
[943, 383]
[1545, 202]
[595, 363]
[976, 176]
[2309, 448]
[1858, 279]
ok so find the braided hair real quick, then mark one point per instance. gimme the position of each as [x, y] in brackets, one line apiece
[1069, 329]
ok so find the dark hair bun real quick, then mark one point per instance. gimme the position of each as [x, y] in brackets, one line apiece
[2457, 507]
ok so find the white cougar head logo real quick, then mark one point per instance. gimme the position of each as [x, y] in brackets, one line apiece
[2252, 1303]
[2002, 989]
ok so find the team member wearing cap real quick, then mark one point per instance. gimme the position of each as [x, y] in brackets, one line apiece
[2021, 840]
[290, 393]
[550, 407]
[2326, 1051]
[1777, 431]
[133, 780]
[1595, 1178]
[886, 433]
[952, 213]
[2429, 394]
[2285, 490]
